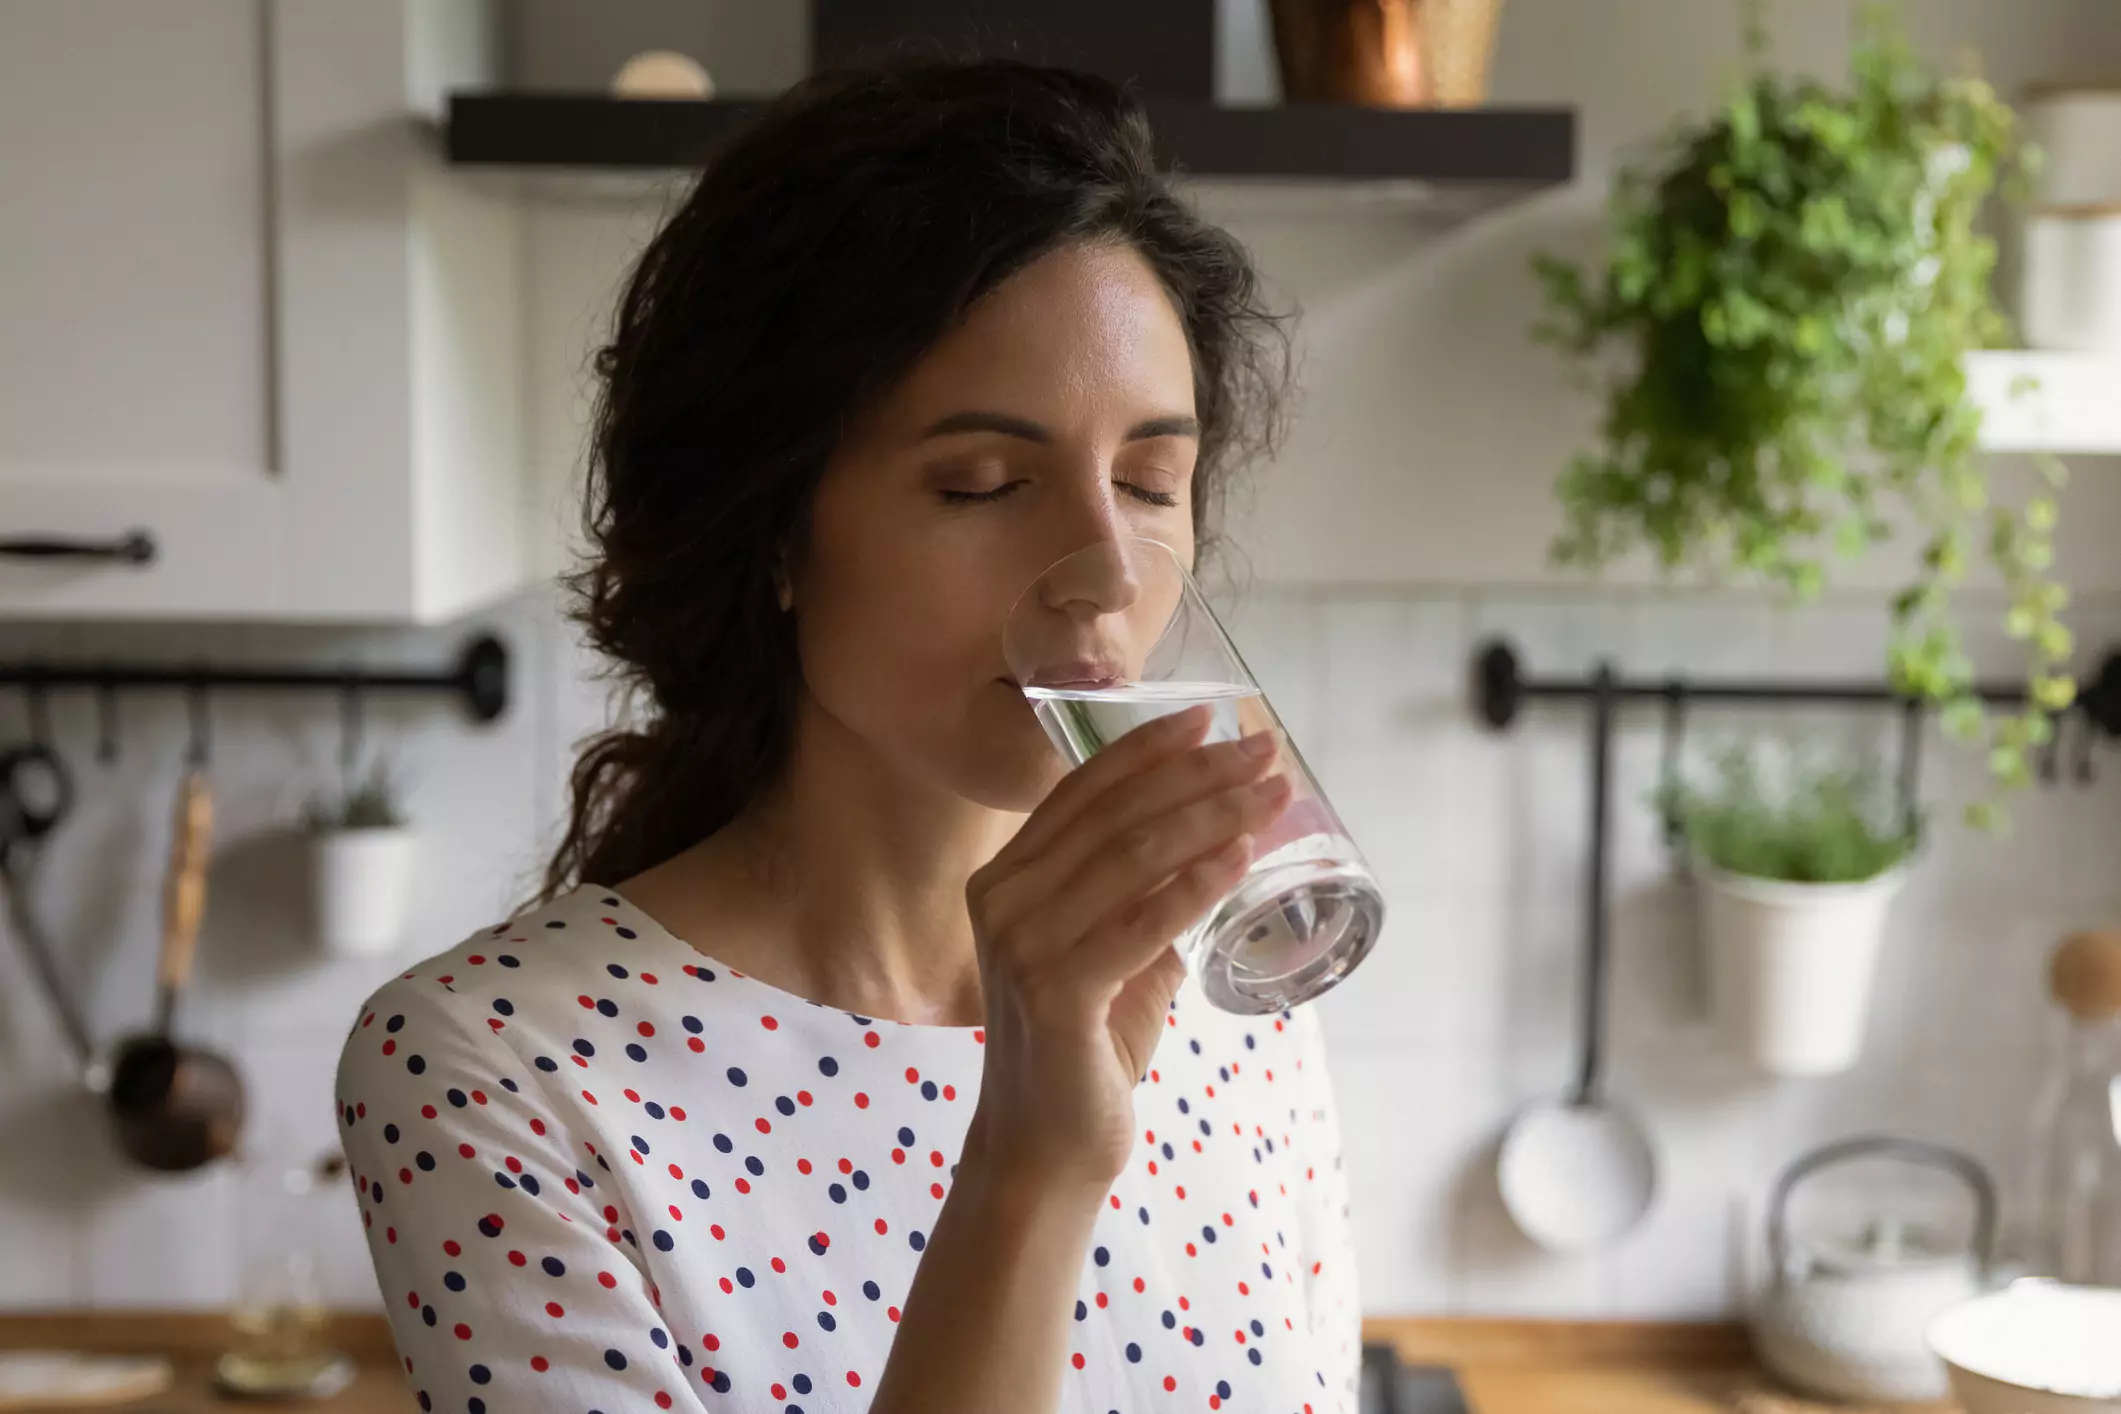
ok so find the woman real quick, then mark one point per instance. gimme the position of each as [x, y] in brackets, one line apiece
[823, 1078]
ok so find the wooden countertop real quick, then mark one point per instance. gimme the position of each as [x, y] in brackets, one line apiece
[1504, 1367]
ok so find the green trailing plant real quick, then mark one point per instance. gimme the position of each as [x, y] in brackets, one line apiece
[371, 803]
[1824, 826]
[1796, 283]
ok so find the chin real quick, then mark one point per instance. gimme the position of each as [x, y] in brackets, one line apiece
[1005, 762]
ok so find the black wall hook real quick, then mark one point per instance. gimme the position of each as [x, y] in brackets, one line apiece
[198, 711]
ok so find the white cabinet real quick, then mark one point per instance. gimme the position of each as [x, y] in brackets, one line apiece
[247, 310]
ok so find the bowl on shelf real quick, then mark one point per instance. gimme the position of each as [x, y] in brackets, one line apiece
[2036, 1347]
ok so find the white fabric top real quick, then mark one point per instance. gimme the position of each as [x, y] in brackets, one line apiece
[603, 1172]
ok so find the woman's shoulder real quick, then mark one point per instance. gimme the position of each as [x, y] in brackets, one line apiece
[538, 959]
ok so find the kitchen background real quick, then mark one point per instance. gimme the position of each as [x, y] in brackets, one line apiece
[1406, 521]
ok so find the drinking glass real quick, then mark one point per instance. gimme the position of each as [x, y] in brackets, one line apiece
[1118, 634]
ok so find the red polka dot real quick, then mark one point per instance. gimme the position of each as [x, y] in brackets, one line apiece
[913, 1077]
[517, 1259]
[554, 1309]
[861, 1101]
[778, 1265]
[769, 1023]
[882, 1227]
[979, 1034]
[451, 1247]
[1076, 1360]
[802, 1166]
[607, 1280]
[802, 1097]
[540, 1364]
[649, 978]
[476, 959]
[698, 1046]
[743, 1185]
[662, 1400]
[646, 1028]
[764, 1127]
[463, 1331]
[1169, 1384]
[788, 1339]
[586, 1003]
[854, 1379]
[716, 1229]
[677, 1112]
[390, 1047]
[872, 1040]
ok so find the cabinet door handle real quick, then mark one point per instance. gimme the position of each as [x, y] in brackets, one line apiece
[135, 547]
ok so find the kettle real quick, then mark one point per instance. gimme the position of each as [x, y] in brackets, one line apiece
[1850, 1321]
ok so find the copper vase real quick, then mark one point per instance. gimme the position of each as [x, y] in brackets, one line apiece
[1385, 53]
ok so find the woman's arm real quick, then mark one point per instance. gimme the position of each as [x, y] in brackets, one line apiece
[508, 1272]
[986, 1322]
[1074, 921]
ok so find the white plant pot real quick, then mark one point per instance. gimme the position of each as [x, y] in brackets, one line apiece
[360, 880]
[2071, 297]
[1791, 966]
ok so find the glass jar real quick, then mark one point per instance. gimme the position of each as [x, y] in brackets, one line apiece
[282, 1346]
[2077, 1146]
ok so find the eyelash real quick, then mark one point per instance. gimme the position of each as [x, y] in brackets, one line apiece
[1162, 499]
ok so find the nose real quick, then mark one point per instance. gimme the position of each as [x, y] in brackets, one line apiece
[1099, 571]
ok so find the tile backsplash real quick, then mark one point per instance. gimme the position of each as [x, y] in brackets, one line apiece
[1467, 1010]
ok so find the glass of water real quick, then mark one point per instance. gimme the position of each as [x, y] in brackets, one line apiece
[1118, 634]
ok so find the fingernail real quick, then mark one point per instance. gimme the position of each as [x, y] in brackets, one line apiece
[1259, 746]
[1270, 789]
[1192, 719]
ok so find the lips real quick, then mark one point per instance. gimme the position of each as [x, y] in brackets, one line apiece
[1083, 674]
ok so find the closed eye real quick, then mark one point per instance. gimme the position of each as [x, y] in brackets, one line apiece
[1139, 493]
[967, 498]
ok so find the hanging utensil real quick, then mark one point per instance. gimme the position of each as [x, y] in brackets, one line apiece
[1578, 1171]
[36, 793]
[178, 1107]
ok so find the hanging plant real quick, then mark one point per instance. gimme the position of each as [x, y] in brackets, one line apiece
[1797, 283]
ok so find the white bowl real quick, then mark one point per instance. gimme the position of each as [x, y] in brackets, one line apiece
[2036, 1348]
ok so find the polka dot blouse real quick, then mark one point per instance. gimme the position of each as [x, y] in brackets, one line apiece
[601, 1171]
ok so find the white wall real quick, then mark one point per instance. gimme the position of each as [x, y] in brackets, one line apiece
[1430, 437]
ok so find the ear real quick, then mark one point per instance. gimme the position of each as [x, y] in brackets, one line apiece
[783, 587]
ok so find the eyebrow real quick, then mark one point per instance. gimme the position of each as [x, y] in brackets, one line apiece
[1174, 425]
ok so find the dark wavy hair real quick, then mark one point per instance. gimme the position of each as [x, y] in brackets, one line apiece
[820, 253]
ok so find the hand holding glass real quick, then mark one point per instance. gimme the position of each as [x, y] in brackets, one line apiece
[1118, 634]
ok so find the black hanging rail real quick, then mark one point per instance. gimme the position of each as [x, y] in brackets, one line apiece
[1501, 688]
[479, 677]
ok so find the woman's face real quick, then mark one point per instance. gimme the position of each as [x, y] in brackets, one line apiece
[1057, 415]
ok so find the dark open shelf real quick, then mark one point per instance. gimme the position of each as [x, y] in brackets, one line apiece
[1510, 148]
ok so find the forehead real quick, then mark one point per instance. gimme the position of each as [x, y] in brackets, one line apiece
[1084, 330]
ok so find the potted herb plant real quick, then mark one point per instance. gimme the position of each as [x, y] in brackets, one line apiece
[1795, 884]
[1791, 288]
[361, 854]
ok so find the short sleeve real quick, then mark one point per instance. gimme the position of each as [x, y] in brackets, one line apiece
[508, 1273]
[1328, 1245]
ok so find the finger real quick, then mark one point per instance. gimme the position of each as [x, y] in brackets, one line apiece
[1144, 857]
[1138, 750]
[1136, 935]
[1135, 805]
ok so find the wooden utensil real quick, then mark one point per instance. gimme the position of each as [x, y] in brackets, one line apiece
[178, 1107]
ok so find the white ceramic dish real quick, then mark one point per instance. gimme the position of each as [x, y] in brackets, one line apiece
[2036, 1348]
